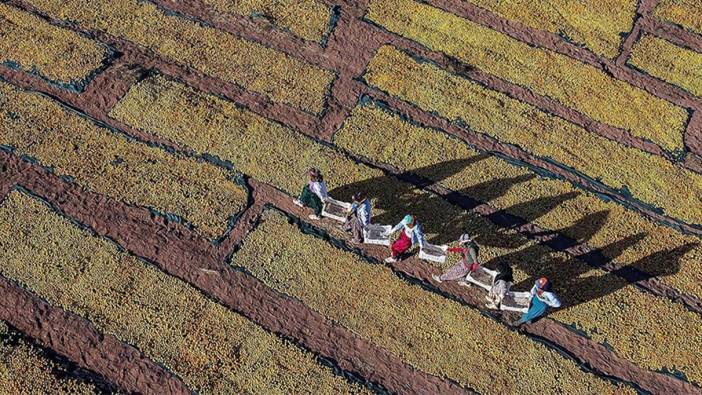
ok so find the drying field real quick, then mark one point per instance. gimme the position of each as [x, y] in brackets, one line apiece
[150, 151]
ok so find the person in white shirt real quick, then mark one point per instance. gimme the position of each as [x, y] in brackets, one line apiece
[359, 217]
[541, 300]
[314, 194]
[500, 286]
[410, 236]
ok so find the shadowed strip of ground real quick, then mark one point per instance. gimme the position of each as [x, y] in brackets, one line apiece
[179, 252]
[80, 342]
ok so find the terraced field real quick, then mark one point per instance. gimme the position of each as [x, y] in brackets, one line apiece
[150, 151]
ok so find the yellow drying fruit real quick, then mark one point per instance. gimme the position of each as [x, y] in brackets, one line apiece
[109, 163]
[602, 305]
[277, 76]
[647, 177]
[212, 349]
[57, 54]
[622, 234]
[23, 370]
[432, 333]
[256, 146]
[308, 19]
[270, 152]
[669, 62]
[582, 87]
[686, 13]
[596, 24]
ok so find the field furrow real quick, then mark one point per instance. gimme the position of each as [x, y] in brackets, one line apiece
[431, 332]
[596, 24]
[25, 368]
[213, 52]
[33, 45]
[308, 19]
[671, 63]
[629, 170]
[582, 87]
[257, 147]
[108, 162]
[686, 13]
[210, 347]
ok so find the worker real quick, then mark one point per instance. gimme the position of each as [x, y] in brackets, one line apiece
[359, 216]
[314, 194]
[468, 263]
[500, 286]
[410, 236]
[541, 300]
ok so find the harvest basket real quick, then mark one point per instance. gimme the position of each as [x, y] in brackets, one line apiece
[335, 209]
[431, 252]
[482, 277]
[516, 301]
[377, 234]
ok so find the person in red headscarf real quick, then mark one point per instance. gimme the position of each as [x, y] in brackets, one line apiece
[541, 300]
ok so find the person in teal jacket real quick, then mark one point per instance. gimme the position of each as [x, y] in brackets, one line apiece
[541, 300]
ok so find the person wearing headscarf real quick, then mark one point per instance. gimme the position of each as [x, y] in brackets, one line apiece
[500, 286]
[313, 194]
[468, 263]
[410, 236]
[541, 299]
[359, 216]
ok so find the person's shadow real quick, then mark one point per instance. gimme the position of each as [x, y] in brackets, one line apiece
[395, 196]
[392, 198]
[576, 282]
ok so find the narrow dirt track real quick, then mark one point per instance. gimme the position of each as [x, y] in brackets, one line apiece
[179, 252]
[79, 341]
[182, 253]
[285, 316]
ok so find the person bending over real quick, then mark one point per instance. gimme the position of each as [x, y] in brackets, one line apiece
[359, 216]
[500, 286]
[313, 194]
[468, 263]
[541, 300]
[410, 236]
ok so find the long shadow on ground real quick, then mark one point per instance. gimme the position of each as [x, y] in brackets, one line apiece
[394, 196]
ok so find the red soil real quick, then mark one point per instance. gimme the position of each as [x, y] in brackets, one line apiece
[182, 253]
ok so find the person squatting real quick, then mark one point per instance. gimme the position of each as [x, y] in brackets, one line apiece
[314, 195]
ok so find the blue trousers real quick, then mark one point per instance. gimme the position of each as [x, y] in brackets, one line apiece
[536, 310]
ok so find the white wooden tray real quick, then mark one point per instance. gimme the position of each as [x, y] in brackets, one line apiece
[431, 252]
[482, 277]
[516, 301]
[336, 209]
[377, 234]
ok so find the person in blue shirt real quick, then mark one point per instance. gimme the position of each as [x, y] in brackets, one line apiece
[359, 216]
[541, 300]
